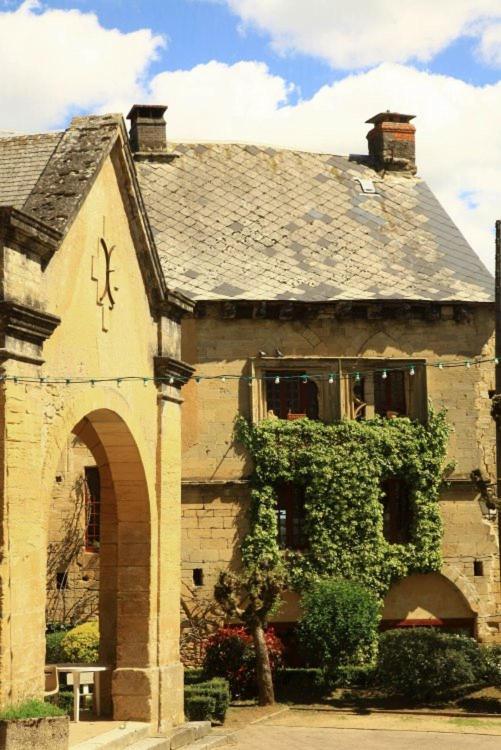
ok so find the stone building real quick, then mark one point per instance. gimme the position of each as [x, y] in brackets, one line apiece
[129, 256]
[84, 303]
[309, 264]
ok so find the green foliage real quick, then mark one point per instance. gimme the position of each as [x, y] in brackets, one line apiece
[219, 690]
[81, 644]
[339, 624]
[199, 707]
[30, 709]
[424, 664]
[342, 467]
[64, 700]
[53, 647]
[300, 683]
[358, 675]
[491, 661]
[192, 676]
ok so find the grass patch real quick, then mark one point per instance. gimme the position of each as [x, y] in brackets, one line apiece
[477, 723]
[32, 709]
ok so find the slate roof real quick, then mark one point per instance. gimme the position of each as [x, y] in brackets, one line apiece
[235, 222]
[22, 159]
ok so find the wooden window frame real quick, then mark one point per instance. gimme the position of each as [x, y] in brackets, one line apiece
[335, 399]
[92, 490]
[290, 500]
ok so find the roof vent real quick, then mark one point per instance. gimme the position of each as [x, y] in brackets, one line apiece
[367, 186]
[392, 142]
[147, 127]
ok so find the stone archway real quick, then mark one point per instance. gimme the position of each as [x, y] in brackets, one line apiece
[127, 630]
[428, 599]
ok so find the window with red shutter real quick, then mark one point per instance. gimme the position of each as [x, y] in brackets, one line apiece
[92, 509]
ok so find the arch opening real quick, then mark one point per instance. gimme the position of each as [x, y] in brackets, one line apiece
[114, 536]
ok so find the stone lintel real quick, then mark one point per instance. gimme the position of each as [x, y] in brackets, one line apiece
[6, 354]
[175, 305]
[27, 234]
[168, 367]
[26, 323]
[397, 310]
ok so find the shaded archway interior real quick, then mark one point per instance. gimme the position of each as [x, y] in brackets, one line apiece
[125, 546]
[427, 599]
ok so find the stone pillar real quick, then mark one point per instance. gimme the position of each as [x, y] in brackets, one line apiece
[173, 374]
[23, 539]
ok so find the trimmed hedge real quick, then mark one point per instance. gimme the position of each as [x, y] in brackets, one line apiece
[81, 644]
[193, 676]
[217, 690]
[424, 664]
[199, 707]
[302, 683]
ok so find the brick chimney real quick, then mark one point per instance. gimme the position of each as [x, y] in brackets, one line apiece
[147, 127]
[392, 142]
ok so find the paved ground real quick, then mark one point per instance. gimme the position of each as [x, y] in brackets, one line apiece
[263, 737]
[313, 729]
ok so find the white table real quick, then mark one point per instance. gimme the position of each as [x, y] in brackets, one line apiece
[76, 670]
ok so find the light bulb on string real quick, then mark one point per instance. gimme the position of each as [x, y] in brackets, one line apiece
[277, 380]
[223, 379]
[412, 371]
[145, 382]
[496, 360]
[119, 380]
[468, 365]
[171, 380]
[440, 366]
[357, 377]
[92, 383]
[384, 374]
[331, 378]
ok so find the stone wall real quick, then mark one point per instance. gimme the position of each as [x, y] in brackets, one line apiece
[72, 570]
[215, 471]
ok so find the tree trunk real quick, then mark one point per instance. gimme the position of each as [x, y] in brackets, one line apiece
[263, 668]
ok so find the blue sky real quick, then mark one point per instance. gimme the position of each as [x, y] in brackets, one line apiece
[293, 73]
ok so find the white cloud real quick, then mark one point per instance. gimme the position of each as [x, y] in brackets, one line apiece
[458, 142]
[53, 61]
[216, 101]
[489, 47]
[362, 33]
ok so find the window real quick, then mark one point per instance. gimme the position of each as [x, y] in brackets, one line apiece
[333, 388]
[396, 511]
[389, 393]
[291, 395]
[290, 516]
[92, 509]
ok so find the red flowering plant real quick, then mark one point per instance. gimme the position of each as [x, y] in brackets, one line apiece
[230, 653]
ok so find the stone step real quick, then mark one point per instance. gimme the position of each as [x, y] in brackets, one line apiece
[209, 742]
[116, 739]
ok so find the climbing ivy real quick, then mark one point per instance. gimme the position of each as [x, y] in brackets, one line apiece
[341, 467]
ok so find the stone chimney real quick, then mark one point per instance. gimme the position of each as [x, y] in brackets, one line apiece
[392, 142]
[147, 128]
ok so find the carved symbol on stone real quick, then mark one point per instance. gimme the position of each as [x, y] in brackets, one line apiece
[102, 275]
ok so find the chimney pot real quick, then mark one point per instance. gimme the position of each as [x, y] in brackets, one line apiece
[147, 127]
[392, 142]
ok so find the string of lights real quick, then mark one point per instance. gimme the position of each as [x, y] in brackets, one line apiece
[276, 377]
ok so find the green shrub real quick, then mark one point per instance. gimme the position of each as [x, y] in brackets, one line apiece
[192, 676]
[339, 624]
[301, 683]
[361, 676]
[64, 700]
[218, 689]
[424, 664]
[53, 647]
[30, 709]
[491, 662]
[81, 644]
[199, 707]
